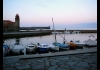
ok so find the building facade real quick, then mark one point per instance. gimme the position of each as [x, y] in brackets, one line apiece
[9, 26]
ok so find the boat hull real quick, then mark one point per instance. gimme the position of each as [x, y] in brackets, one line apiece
[62, 46]
[42, 50]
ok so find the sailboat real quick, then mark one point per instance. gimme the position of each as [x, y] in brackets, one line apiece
[60, 45]
[54, 47]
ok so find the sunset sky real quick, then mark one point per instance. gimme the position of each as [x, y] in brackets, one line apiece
[65, 13]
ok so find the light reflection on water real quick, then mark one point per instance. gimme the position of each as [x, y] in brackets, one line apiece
[49, 39]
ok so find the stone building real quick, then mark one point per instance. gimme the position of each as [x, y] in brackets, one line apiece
[9, 26]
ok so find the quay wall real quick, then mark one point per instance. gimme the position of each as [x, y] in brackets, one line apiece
[23, 34]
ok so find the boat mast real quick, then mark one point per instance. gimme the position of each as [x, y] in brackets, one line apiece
[54, 30]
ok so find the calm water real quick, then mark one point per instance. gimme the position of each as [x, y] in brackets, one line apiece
[49, 39]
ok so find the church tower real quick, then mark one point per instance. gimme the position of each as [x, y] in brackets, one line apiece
[17, 22]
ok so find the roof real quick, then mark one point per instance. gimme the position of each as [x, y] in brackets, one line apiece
[7, 21]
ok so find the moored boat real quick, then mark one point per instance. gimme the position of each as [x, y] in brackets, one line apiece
[6, 50]
[31, 48]
[80, 44]
[62, 46]
[42, 48]
[90, 42]
[18, 48]
[53, 47]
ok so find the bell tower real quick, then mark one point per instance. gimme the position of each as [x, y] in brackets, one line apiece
[17, 22]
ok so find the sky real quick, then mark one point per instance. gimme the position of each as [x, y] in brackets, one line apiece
[65, 13]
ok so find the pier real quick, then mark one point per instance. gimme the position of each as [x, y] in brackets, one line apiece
[70, 60]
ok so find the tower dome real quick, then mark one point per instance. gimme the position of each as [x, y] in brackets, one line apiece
[17, 16]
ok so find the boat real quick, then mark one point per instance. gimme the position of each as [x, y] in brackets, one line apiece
[62, 46]
[90, 42]
[77, 32]
[6, 50]
[18, 48]
[80, 44]
[42, 48]
[31, 48]
[74, 32]
[67, 32]
[54, 32]
[72, 45]
[53, 47]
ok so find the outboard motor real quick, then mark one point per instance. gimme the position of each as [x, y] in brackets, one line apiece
[38, 43]
[71, 41]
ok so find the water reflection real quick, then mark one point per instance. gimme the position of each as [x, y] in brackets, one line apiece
[49, 39]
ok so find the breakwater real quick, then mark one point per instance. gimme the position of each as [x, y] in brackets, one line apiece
[39, 33]
[81, 31]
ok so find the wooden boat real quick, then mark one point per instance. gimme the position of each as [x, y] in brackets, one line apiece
[72, 45]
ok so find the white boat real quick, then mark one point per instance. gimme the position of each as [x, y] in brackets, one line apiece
[67, 32]
[31, 48]
[52, 47]
[41, 48]
[80, 44]
[55, 32]
[91, 42]
[17, 48]
[77, 32]
[74, 32]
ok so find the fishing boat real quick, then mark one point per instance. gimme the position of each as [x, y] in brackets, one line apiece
[90, 42]
[31, 48]
[42, 48]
